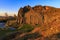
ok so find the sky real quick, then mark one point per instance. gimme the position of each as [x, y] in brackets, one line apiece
[12, 6]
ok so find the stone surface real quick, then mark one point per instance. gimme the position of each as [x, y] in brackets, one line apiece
[45, 16]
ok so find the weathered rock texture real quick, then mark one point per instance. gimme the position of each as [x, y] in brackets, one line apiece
[28, 15]
[45, 16]
[38, 15]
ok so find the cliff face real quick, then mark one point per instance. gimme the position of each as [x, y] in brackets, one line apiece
[38, 15]
[45, 16]
[29, 15]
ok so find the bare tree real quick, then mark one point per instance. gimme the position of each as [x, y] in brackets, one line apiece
[15, 16]
[6, 15]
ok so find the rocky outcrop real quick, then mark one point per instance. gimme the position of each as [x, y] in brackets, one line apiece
[28, 15]
[45, 16]
[35, 15]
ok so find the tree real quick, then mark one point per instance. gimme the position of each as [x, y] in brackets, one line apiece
[6, 15]
[15, 16]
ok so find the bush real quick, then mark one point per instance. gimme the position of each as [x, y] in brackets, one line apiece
[26, 28]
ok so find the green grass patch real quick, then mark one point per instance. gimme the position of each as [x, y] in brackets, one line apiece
[26, 28]
[4, 32]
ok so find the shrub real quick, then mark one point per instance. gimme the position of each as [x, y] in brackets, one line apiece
[26, 28]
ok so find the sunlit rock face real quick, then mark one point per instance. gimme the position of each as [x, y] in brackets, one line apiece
[38, 15]
[33, 18]
[28, 15]
[46, 16]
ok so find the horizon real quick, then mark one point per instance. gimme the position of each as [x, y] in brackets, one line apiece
[12, 6]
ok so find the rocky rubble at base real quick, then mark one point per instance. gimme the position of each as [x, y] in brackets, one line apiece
[30, 36]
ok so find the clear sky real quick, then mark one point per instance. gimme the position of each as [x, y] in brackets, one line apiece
[12, 6]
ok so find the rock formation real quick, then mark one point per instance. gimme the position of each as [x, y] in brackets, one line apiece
[45, 16]
[28, 15]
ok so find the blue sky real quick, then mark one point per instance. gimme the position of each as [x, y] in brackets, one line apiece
[12, 6]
